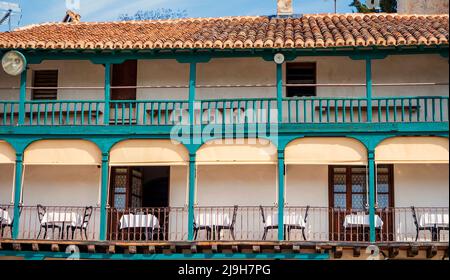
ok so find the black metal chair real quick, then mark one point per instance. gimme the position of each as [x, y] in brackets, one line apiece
[229, 227]
[83, 226]
[290, 227]
[435, 230]
[198, 228]
[45, 225]
[287, 228]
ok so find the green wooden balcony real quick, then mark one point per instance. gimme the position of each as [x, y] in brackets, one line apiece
[310, 110]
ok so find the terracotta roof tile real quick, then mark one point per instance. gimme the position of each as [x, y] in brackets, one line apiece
[308, 31]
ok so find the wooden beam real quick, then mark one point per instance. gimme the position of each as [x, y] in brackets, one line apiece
[112, 249]
[431, 251]
[55, 248]
[91, 249]
[337, 252]
[356, 251]
[35, 247]
[17, 247]
[151, 249]
[296, 249]
[393, 252]
[132, 250]
[413, 251]
[277, 248]
[256, 249]
[193, 249]
[214, 248]
[173, 248]
[235, 248]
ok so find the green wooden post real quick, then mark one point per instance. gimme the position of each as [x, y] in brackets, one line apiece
[369, 88]
[17, 194]
[107, 93]
[191, 202]
[281, 174]
[104, 196]
[22, 97]
[280, 92]
[192, 87]
[371, 158]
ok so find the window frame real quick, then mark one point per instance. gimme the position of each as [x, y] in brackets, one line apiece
[36, 87]
[292, 85]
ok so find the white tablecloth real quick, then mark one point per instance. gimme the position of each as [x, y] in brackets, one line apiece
[212, 219]
[358, 220]
[293, 219]
[433, 219]
[68, 218]
[139, 221]
[5, 218]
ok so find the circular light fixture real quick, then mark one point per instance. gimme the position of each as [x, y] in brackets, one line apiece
[14, 63]
[279, 58]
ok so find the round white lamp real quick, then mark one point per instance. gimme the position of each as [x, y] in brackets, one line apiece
[279, 58]
[14, 63]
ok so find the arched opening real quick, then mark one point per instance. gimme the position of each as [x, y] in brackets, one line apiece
[236, 172]
[7, 171]
[421, 178]
[148, 189]
[326, 182]
[60, 192]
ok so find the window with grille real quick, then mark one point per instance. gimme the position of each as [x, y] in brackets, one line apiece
[300, 73]
[45, 83]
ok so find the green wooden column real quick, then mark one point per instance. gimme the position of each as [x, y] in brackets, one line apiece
[104, 196]
[107, 93]
[371, 174]
[281, 174]
[17, 194]
[191, 202]
[369, 86]
[192, 89]
[22, 96]
[280, 92]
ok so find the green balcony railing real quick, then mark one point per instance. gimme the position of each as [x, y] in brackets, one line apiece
[307, 110]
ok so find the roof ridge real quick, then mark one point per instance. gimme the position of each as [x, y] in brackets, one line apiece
[191, 19]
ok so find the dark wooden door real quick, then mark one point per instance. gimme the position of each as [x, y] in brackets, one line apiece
[348, 195]
[124, 75]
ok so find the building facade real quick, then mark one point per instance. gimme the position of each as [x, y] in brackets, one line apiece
[290, 137]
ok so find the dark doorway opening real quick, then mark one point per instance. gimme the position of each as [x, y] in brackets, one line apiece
[140, 192]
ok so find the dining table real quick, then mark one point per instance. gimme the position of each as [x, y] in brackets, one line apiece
[435, 222]
[62, 219]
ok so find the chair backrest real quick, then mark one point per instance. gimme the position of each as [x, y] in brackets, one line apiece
[41, 212]
[233, 220]
[306, 214]
[414, 216]
[87, 215]
[261, 209]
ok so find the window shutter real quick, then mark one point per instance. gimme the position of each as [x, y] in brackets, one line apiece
[45, 79]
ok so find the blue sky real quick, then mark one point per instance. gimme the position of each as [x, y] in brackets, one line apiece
[37, 11]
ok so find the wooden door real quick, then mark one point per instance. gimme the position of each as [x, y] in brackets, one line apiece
[124, 75]
[348, 195]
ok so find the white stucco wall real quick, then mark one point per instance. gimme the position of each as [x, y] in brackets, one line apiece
[421, 185]
[247, 71]
[236, 185]
[307, 185]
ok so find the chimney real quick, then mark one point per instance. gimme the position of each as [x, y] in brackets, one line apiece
[71, 16]
[422, 7]
[284, 8]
